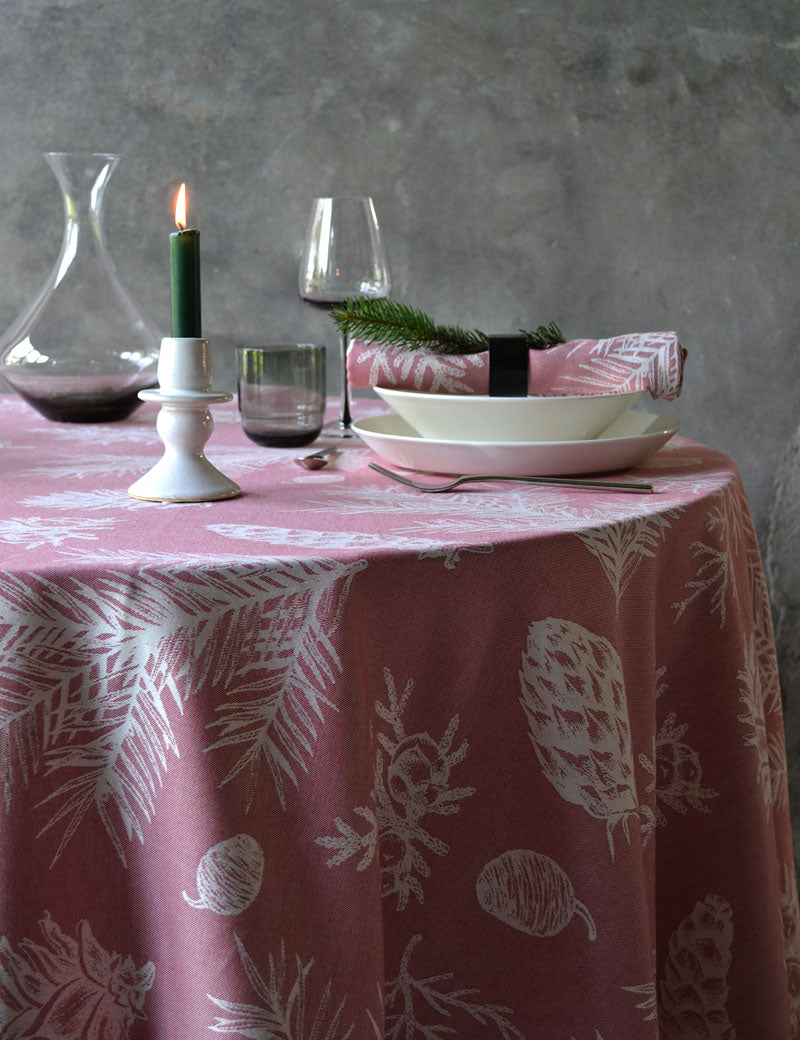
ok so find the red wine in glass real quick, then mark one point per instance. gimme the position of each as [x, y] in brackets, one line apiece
[343, 256]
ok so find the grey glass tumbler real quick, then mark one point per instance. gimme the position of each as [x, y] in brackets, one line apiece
[281, 392]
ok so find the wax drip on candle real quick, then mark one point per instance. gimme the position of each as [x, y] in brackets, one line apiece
[185, 273]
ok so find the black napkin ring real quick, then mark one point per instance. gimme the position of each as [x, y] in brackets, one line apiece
[508, 366]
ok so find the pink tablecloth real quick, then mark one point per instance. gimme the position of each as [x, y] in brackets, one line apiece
[338, 760]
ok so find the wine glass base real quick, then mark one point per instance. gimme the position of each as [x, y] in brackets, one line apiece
[337, 428]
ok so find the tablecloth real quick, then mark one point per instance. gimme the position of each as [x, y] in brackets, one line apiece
[339, 760]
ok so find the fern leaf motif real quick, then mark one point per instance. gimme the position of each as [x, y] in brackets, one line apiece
[573, 695]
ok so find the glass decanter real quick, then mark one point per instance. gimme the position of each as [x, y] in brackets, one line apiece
[83, 350]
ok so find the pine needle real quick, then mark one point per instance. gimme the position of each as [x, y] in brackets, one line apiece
[545, 336]
[382, 320]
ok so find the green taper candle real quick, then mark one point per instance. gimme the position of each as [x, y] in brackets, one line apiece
[184, 256]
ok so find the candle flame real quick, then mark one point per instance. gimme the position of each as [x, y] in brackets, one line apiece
[180, 208]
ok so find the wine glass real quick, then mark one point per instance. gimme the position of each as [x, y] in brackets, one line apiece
[343, 256]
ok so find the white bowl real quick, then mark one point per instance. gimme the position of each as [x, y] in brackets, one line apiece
[625, 443]
[474, 417]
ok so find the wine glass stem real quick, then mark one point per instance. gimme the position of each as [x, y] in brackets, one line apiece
[345, 420]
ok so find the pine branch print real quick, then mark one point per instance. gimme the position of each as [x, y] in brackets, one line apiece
[716, 573]
[418, 1000]
[91, 676]
[300, 1012]
[621, 547]
[769, 746]
[293, 663]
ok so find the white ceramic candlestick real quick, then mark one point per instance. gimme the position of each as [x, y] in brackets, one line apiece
[184, 474]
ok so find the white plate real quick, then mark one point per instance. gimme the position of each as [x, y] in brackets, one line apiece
[476, 417]
[629, 440]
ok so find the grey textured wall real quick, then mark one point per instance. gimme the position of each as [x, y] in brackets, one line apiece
[616, 166]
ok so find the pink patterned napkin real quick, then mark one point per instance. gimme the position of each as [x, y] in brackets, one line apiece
[639, 361]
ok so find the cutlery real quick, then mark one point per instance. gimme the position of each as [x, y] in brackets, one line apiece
[316, 460]
[610, 485]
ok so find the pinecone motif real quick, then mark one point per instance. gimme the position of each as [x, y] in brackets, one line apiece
[676, 772]
[573, 695]
[694, 989]
[791, 942]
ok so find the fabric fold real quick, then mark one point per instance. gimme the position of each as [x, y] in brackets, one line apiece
[652, 361]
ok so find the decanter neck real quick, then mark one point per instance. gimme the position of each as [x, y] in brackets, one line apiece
[83, 178]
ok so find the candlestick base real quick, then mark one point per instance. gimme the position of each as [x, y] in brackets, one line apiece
[184, 474]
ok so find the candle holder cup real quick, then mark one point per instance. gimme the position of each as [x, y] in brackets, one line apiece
[184, 474]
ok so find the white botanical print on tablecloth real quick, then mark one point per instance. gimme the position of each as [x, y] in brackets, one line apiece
[766, 654]
[229, 876]
[34, 532]
[676, 773]
[452, 554]
[734, 523]
[791, 944]
[530, 892]
[573, 694]
[292, 1004]
[95, 466]
[716, 574]
[292, 663]
[90, 673]
[648, 1004]
[412, 781]
[331, 540]
[69, 989]
[81, 502]
[769, 745]
[477, 517]
[694, 988]
[621, 547]
[423, 1009]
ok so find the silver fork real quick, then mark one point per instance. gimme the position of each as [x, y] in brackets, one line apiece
[610, 485]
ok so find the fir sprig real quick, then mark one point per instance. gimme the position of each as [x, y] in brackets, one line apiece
[382, 320]
[549, 335]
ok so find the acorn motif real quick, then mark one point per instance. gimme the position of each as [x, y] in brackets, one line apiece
[530, 892]
[229, 876]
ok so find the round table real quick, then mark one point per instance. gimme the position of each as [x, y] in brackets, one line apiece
[338, 759]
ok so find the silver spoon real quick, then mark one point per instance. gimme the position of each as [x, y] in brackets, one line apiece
[316, 460]
[610, 485]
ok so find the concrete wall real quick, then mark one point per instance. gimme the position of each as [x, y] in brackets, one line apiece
[615, 166]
